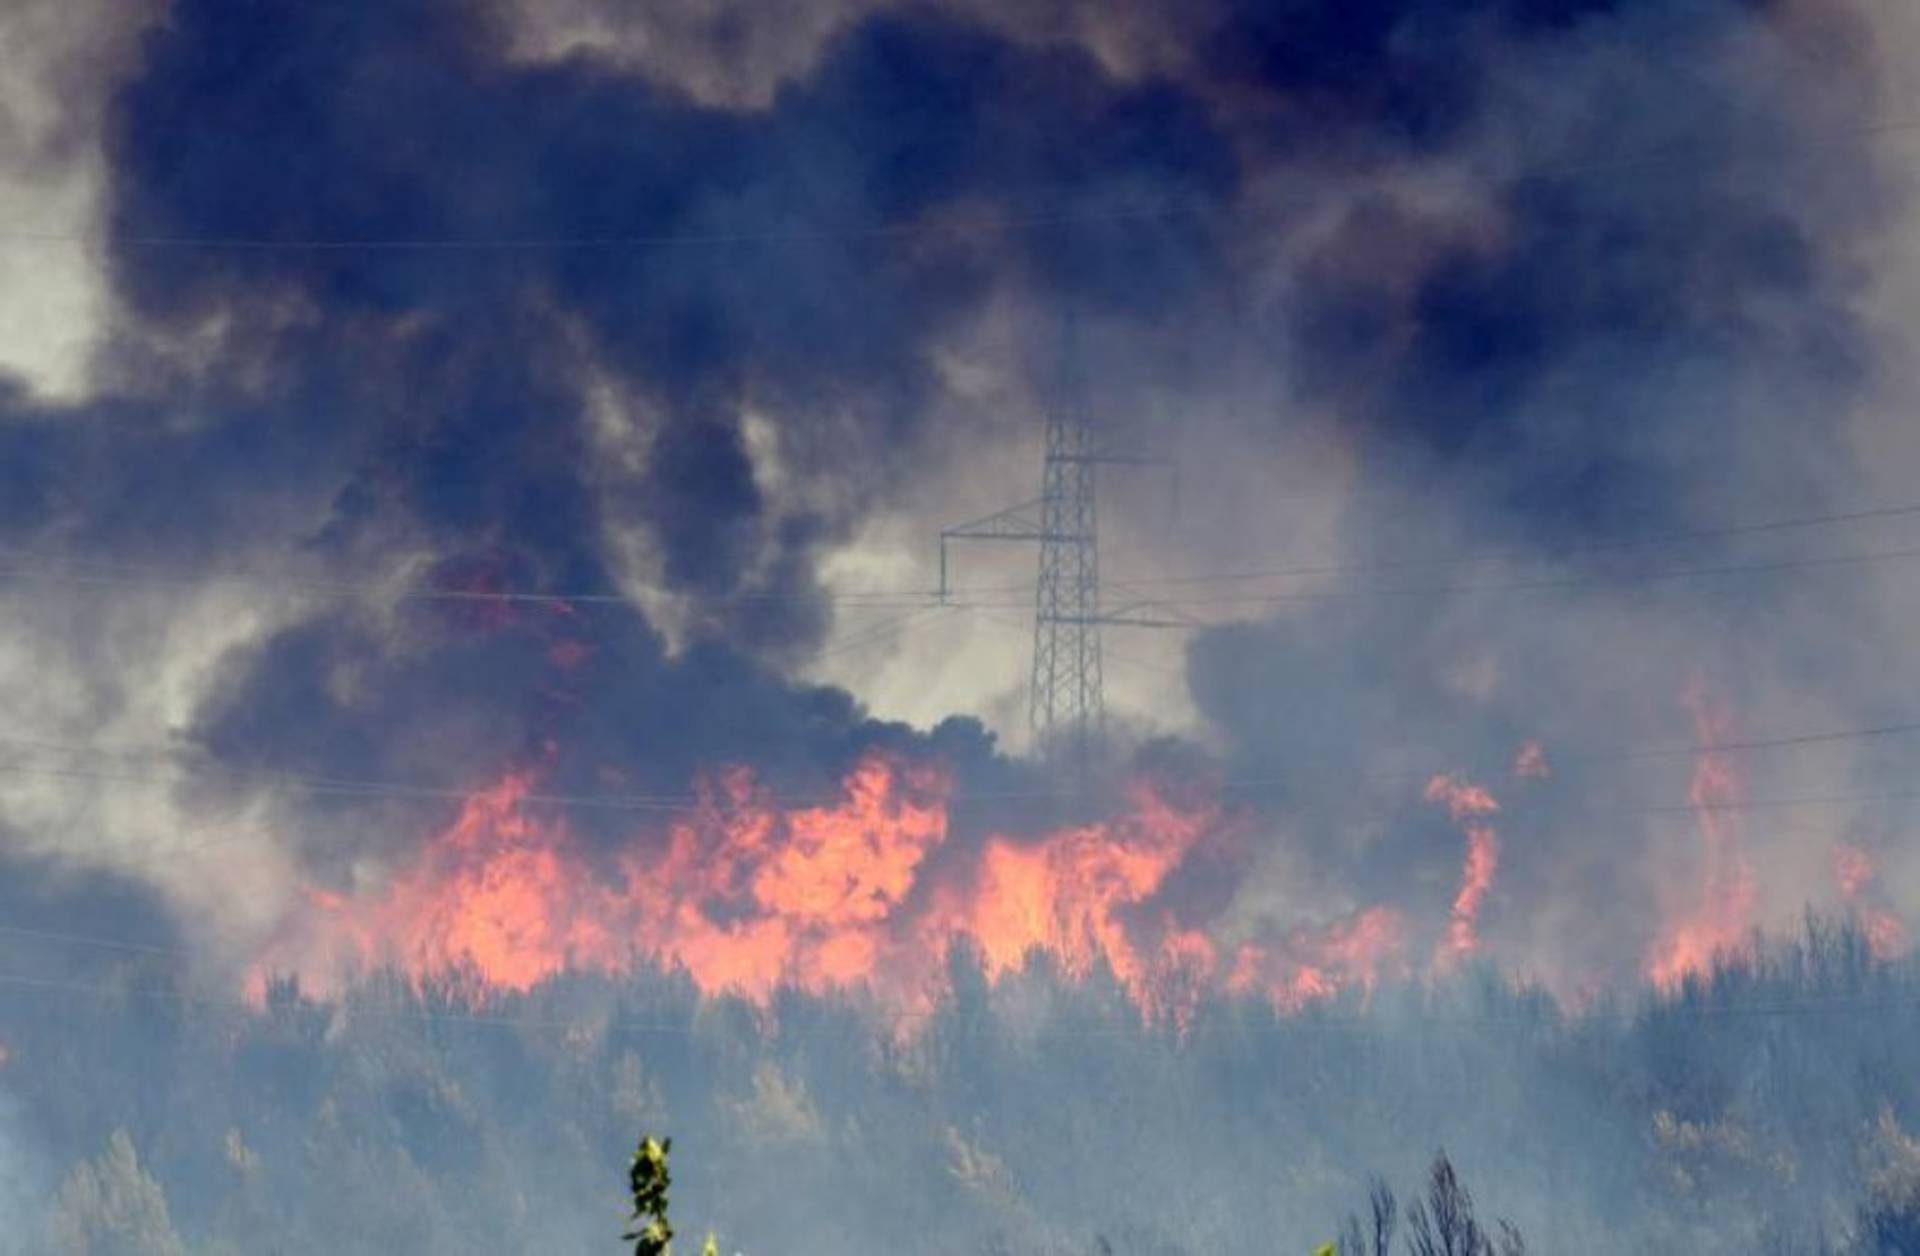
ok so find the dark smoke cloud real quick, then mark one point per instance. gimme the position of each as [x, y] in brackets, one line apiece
[349, 402]
[1639, 317]
[1475, 277]
[421, 398]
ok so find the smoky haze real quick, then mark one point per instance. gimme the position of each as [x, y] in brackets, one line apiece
[441, 399]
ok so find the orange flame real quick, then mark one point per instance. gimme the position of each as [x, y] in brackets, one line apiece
[1073, 893]
[1316, 964]
[1469, 805]
[1855, 870]
[747, 895]
[1722, 917]
[498, 891]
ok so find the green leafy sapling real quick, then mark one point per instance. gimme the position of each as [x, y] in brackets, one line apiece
[647, 1181]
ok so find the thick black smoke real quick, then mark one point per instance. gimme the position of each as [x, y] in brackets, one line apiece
[390, 293]
[352, 402]
[442, 397]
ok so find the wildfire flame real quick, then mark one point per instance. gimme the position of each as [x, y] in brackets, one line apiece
[1317, 964]
[1857, 873]
[747, 895]
[1722, 917]
[871, 890]
[1071, 894]
[1469, 805]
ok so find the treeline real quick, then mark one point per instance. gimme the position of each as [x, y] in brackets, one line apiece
[1445, 1222]
[1767, 1108]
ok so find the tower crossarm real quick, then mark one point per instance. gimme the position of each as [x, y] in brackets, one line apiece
[1115, 459]
[1118, 620]
[1149, 612]
[1124, 458]
[1015, 523]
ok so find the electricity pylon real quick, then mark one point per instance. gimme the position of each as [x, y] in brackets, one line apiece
[1066, 699]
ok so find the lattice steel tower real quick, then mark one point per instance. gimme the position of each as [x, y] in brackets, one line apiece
[1066, 699]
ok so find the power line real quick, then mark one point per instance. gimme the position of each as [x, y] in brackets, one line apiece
[118, 575]
[886, 630]
[690, 803]
[93, 573]
[1553, 554]
[81, 939]
[356, 1008]
[1558, 760]
[1108, 652]
[359, 789]
[1769, 804]
[1745, 744]
[1532, 585]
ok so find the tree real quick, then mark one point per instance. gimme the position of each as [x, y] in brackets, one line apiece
[114, 1207]
[1890, 1225]
[1444, 1225]
[1889, 1221]
[647, 1181]
[1441, 1224]
[1374, 1235]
